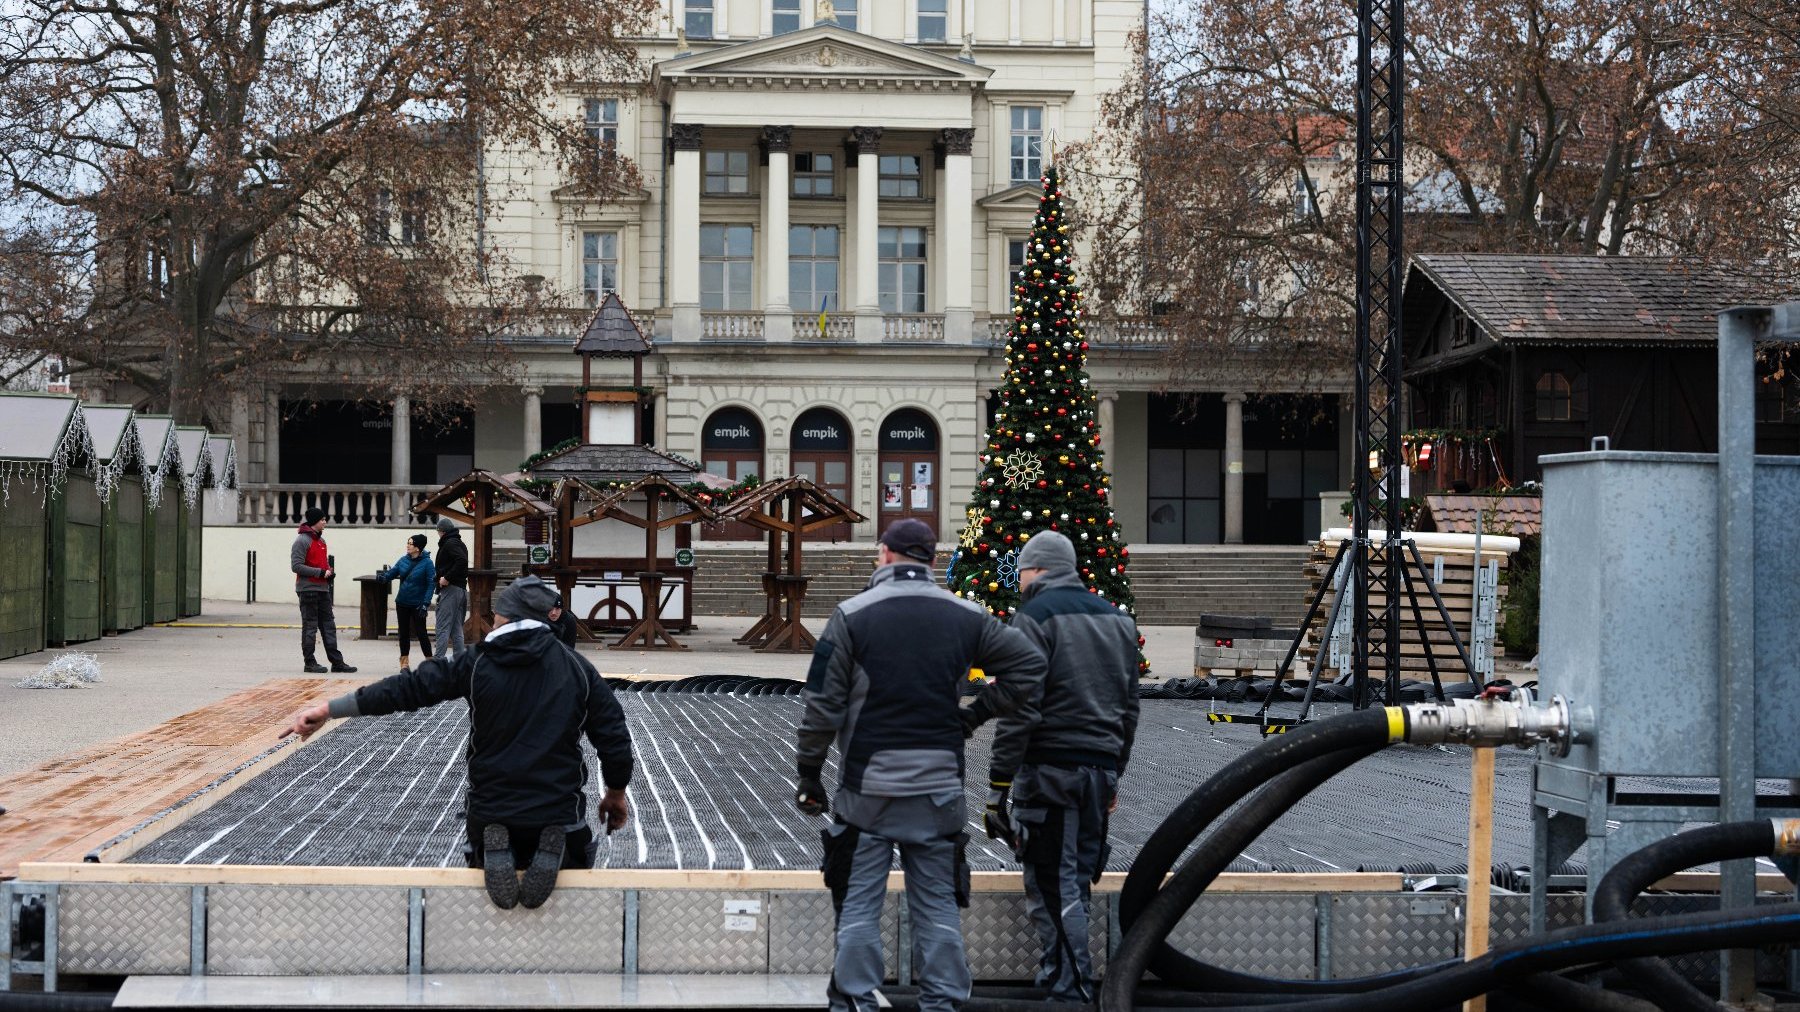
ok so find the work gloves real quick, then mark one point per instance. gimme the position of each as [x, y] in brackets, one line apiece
[809, 792]
[995, 818]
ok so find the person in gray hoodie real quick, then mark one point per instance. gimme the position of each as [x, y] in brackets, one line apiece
[1059, 757]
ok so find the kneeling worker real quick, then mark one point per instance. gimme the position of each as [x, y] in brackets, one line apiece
[885, 684]
[531, 700]
[1060, 755]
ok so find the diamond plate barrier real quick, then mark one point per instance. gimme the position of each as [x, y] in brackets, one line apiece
[305, 929]
[1511, 920]
[1272, 935]
[123, 929]
[1001, 943]
[1378, 932]
[575, 931]
[702, 931]
[802, 931]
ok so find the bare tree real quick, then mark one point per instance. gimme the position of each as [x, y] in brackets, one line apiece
[175, 167]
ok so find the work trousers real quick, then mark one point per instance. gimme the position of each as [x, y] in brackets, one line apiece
[1060, 815]
[412, 623]
[318, 622]
[856, 867]
[452, 608]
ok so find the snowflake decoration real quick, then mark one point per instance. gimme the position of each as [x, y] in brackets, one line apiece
[950, 566]
[1008, 569]
[973, 530]
[1023, 469]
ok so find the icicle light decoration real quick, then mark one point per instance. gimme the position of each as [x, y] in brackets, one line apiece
[48, 475]
[130, 450]
[194, 476]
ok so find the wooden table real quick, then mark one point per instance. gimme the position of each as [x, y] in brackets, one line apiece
[374, 607]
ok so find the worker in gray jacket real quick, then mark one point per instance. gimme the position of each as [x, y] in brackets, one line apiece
[885, 684]
[1060, 755]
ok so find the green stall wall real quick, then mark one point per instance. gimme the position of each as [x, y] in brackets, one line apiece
[122, 550]
[74, 562]
[22, 577]
[162, 530]
[192, 537]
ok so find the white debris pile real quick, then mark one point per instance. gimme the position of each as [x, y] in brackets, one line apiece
[70, 670]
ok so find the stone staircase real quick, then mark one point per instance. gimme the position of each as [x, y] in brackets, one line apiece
[1175, 584]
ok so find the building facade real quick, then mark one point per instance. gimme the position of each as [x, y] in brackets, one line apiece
[832, 197]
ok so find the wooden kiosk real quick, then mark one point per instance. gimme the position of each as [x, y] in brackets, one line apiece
[794, 507]
[121, 517]
[483, 500]
[652, 490]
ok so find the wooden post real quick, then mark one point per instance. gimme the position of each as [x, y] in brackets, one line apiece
[1481, 862]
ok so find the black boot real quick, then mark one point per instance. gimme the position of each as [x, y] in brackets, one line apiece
[314, 668]
[497, 866]
[340, 668]
[540, 876]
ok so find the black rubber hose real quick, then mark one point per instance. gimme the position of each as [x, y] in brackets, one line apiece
[1558, 950]
[1223, 789]
[1644, 868]
[1552, 991]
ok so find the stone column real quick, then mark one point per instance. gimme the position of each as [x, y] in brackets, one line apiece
[956, 234]
[778, 316]
[240, 434]
[1087, 22]
[1059, 27]
[660, 417]
[534, 420]
[400, 452]
[1234, 468]
[684, 231]
[865, 224]
[1105, 422]
[271, 437]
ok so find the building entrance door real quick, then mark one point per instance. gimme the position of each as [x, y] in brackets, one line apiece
[911, 474]
[731, 447]
[820, 448]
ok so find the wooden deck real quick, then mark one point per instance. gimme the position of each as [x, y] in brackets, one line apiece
[67, 807]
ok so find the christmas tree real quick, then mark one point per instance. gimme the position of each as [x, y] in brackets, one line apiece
[1042, 468]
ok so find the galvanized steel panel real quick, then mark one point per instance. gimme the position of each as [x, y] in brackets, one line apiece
[1001, 943]
[576, 931]
[1380, 932]
[693, 931]
[305, 930]
[123, 929]
[803, 931]
[1272, 935]
[1511, 920]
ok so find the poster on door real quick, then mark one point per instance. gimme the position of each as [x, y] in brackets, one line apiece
[890, 496]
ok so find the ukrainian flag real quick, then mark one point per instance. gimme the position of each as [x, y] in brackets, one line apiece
[822, 299]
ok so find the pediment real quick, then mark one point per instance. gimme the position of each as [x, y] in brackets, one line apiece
[821, 51]
[1017, 197]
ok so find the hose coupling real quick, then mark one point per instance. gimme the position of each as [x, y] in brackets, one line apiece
[1787, 837]
[1489, 723]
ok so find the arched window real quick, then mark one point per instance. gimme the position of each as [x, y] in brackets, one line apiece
[1555, 398]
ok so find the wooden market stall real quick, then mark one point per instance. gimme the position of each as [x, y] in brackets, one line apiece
[162, 517]
[792, 507]
[72, 555]
[483, 500]
[41, 436]
[121, 516]
[641, 504]
[196, 474]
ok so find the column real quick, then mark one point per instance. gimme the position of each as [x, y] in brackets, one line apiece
[684, 231]
[1087, 22]
[1015, 22]
[1059, 27]
[271, 437]
[660, 421]
[534, 420]
[1106, 423]
[778, 316]
[240, 434]
[1234, 468]
[400, 449]
[865, 224]
[956, 229]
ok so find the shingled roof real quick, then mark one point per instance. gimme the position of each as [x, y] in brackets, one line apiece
[1579, 299]
[612, 331]
[602, 462]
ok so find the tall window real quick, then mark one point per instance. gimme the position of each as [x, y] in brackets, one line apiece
[601, 121]
[813, 268]
[901, 175]
[934, 20]
[1027, 143]
[786, 15]
[1555, 398]
[902, 252]
[378, 229]
[699, 20]
[727, 172]
[412, 219]
[726, 265]
[1303, 198]
[812, 174]
[599, 265]
[1015, 261]
[846, 13]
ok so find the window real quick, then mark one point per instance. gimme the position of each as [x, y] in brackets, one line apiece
[725, 266]
[1015, 259]
[599, 265]
[727, 172]
[412, 220]
[1304, 205]
[1554, 398]
[934, 20]
[813, 268]
[846, 14]
[601, 121]
[812, 174]
[699, 20]
[1027, 143]
[786, 16]
[902, 252]
[378, 229]
[902, 175]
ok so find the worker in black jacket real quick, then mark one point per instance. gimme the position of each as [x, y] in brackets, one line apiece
[453, 588]
[531, 700]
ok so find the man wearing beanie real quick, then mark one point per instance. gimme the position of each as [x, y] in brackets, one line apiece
[885, 684]
[311, 562]
[453, 588]
[1059, 757]
[531, 700]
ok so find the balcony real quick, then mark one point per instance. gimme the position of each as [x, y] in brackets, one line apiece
[1121, 332]
[344, 505]
[912, 328]
[838, 327]
[730, 326]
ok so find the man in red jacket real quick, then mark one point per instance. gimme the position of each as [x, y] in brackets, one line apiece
[311, 562]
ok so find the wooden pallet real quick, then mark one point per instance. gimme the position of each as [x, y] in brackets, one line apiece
[67, 807]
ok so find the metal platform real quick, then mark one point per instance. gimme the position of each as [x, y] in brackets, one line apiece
[471, 991]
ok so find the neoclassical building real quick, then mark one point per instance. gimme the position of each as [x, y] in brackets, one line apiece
[821, 249]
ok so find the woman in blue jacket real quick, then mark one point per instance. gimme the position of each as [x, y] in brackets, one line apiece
[417, 576]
